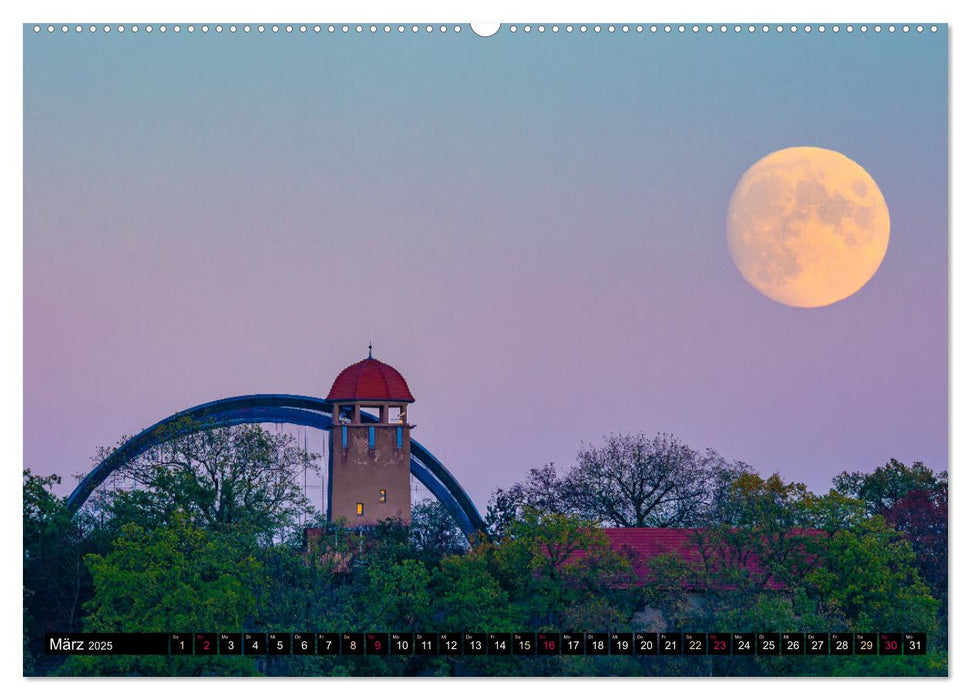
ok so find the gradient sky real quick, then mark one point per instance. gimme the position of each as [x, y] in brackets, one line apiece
[531, 228]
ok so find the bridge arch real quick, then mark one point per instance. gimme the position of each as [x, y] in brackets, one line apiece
[277, 408]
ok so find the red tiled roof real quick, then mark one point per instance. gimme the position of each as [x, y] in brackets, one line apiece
[642, 544]
[370, 380]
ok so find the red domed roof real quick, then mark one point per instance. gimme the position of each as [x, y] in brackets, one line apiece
[370, 380]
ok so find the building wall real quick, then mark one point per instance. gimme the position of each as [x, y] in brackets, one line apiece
[358, 474]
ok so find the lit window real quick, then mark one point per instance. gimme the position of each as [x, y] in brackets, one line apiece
[382, 496]
[399, 437]
[360, 509]
[370, 438]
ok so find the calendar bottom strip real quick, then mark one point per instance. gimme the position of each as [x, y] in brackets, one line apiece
[489, 643]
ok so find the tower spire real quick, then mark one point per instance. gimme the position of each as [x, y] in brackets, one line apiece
[369, 350]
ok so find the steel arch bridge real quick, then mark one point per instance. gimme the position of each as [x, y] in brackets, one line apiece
[278, 408]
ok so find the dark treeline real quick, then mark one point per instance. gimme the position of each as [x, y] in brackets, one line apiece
[211, 539]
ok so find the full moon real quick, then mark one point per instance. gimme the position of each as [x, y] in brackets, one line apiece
[807, 226]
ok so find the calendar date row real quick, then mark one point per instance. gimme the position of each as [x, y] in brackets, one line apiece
[492, 643]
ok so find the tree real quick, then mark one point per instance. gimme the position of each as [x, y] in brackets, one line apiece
[921, 516]
[636, 481]
[469, 598]
[399, 595]
[554, 564]
[794, 561]
[242, 475]
[883, 487]
[434, 532]
[867, 576]
[542, 490]
[175, 577]
[913, 500]
[56, 583]
[766, 547]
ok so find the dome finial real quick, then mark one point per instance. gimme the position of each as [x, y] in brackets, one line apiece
[369, 350]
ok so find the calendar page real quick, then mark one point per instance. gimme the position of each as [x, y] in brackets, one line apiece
[521, 349]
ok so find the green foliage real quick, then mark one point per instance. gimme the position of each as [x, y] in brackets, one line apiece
[557, 566]
[178, 577]
[914, 501]
[868, 576]
[434, 532]
[772, 570]
[886, 485]
[469, 598]
[242, 475]
[56, 582]
[399, 595]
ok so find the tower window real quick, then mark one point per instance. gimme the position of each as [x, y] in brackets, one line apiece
[382, 496]
[360, 509]
[370, 438]
[373, 412]
[344, 436]
[399, 437]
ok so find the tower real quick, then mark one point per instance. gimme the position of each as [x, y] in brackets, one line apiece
[369, 468]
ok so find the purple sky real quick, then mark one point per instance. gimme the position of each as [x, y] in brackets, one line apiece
[530, 228]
